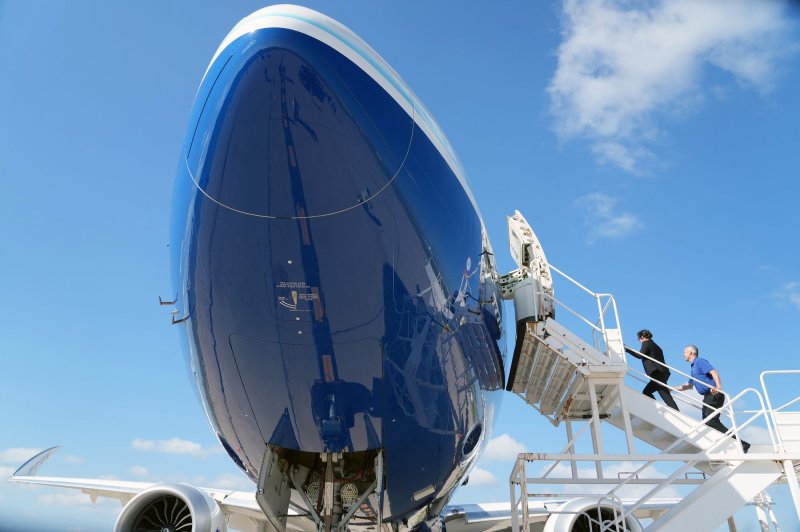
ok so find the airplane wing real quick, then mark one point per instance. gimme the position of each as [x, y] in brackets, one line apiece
[241, 511]
[240, 508]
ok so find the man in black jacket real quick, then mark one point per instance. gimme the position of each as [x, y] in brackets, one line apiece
[658, 373]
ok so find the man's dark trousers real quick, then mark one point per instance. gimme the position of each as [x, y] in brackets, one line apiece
[712, 402]
[662, 390]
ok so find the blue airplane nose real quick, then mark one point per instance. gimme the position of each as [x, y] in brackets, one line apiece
[328, 259]
[276, 97]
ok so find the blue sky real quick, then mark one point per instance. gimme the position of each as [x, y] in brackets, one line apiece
[654, 150]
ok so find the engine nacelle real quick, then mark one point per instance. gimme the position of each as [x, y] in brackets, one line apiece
[583, 515]
[173, 508]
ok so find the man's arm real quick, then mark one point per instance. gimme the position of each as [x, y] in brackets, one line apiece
[717, 382]
[644, 350]
[632, 352]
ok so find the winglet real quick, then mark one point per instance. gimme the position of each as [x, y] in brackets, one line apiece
[29, 468]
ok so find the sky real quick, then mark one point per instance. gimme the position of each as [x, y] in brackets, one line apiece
[653, 147]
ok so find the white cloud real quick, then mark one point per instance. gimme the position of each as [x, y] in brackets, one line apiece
[80, 502]
[604, 219]
[613, 471]
[503, 447]
[481, 477]
[756, 434]
[71, 459]
[790, 292]
[17, 455]
[139, 471]
[6, 472]
[65, 499]
[173, 446]
[232, 482]
[620, 68]
[225, 481]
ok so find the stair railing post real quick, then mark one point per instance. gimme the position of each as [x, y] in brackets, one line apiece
[761, 507]
[778, 437]
[513, 483]
[771, 513]
[523, 485]
[602, 324]
[734, 429]
[597, 439]
[626, 420]
[571, 449]
[791, 479]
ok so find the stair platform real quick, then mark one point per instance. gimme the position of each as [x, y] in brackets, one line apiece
[552, 370]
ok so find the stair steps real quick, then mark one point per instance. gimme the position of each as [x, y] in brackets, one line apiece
[721, 495]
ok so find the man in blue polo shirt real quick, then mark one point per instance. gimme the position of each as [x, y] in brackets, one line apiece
[709, 386]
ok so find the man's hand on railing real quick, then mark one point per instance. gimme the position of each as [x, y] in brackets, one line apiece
[688, 386]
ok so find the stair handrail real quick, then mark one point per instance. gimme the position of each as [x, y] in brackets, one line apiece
[596, 295]
[732, 432]
[595, 328]
[618, 520]
[685, 397]
[667, 366]
[692, 401]
[617, 505]
[772, 410]
[600, 320]
[571, 311]
[698, 425]
[728, 406]
[602, 308]
[790, 403]
[570, 279]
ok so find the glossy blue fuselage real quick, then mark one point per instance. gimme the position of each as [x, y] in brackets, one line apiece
[335, 274]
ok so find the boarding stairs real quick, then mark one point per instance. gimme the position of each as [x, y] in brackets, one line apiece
[570, 378]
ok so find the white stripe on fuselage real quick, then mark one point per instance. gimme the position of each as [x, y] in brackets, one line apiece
[347, 43]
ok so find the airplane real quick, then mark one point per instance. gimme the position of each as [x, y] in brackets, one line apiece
[338, 301]
[335, 289]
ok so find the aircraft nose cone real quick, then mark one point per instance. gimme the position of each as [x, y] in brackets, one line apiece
[291, 128]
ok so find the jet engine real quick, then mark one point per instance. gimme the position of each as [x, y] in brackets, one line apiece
[171, 507]
[588, 514]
